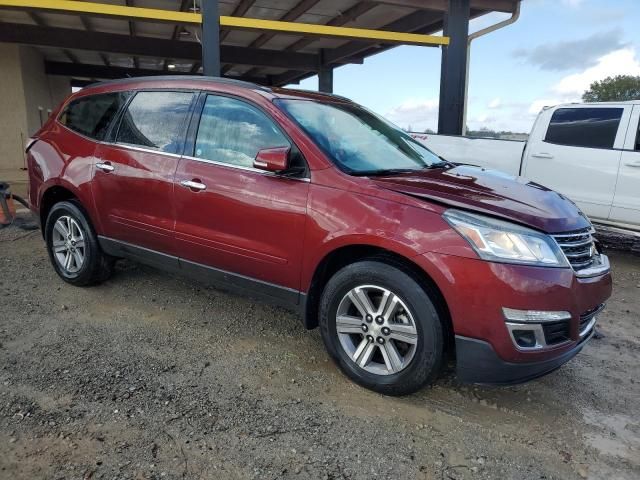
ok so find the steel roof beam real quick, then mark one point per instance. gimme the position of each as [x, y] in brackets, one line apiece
[68, 38]
[296, 12]
[239, 11]
[345, 17]
[113, 72]
[505, 6]
[170, 16]
[410, 23]
[132, 31]
[86, 23]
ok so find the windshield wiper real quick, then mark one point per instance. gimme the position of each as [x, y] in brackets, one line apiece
[397, 171]
[384, 171]
[444, 163]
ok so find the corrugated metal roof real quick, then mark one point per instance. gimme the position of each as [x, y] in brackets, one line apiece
[399, 15]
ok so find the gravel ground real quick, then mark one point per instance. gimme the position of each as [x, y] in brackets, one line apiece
[152, 376]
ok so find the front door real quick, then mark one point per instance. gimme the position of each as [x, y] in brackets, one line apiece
[233, 217]
[134, 174]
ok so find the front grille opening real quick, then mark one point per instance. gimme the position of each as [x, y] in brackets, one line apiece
[585, 319]
[578, 246]
[525, 338]
[556, 332]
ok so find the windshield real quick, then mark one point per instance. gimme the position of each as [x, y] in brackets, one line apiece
[358, 141]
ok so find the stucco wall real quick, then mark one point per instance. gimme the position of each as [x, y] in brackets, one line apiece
[37, 96]
[27, 95]
[13, 114]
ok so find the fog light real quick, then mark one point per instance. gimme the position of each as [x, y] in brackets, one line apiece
[534, 316]
[524, 338]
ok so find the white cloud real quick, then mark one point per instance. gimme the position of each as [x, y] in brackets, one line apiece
[572, 54]
[495, 103]
[571, 87]
[506, 114]
[419, 114]
[619, 62]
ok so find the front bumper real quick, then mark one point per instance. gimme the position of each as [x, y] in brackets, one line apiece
[476, 291]
[477, 362]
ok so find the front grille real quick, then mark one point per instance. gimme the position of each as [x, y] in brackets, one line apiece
[556, 332]
[578, 247]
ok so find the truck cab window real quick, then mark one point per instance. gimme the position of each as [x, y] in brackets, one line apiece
[584, 127]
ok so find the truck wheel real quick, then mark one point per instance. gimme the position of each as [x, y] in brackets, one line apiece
[73, 246]
[381, 328]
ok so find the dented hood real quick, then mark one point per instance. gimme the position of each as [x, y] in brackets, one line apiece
[490, 192]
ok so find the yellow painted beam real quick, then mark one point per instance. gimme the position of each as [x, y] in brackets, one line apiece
[328, 31]
[103, 9]
[241, 23]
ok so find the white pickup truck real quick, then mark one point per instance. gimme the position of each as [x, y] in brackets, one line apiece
[588, 152]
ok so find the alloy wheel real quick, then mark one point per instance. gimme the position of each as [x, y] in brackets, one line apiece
[376, 330]
[68, 244]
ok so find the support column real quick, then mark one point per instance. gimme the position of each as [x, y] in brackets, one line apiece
[325, 79]
[454, 69]
[211, 38]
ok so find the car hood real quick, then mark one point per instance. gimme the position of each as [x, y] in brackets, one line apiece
[490, 192]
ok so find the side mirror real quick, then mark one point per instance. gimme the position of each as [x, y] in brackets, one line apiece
[273, 159]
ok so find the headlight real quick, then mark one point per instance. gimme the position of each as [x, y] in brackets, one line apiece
[501, 241]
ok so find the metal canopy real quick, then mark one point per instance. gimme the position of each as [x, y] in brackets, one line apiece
[90, 45]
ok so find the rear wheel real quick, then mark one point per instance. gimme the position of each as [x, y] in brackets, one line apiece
[381, 328]
[73, 246]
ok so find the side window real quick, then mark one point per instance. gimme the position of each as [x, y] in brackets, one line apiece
[91, 116]
[156, 120]
[638, 140]
[232, 131]
[584, 127]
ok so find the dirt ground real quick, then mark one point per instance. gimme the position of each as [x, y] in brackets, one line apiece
[151, 376]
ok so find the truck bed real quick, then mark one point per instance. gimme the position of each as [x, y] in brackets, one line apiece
[504, 155]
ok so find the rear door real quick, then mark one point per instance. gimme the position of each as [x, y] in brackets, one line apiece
[578, 154]
[133, 179]
[240, 219]
[626, 202]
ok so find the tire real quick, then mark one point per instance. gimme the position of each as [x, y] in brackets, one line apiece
[415, 319]
[88, 264]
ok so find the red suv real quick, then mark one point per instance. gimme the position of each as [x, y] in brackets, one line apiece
[403, 260]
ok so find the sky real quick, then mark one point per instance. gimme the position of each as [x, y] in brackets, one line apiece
[551, 55]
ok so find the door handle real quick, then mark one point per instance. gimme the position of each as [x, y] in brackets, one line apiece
[635, 164]
[193, 185]
[542, 155]
[105, 167]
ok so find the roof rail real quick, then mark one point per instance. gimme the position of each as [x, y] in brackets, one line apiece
[319, 94]
[202, 78]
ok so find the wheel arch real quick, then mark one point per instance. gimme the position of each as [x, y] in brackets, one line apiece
[342, 256]
[53, 194]
[60, 192]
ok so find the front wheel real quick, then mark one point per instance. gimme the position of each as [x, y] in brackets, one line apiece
[382, 328]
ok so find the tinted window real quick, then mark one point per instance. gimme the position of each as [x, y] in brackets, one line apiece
[584, 127]
[232, 131]
[91, 116]
[156, 120]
